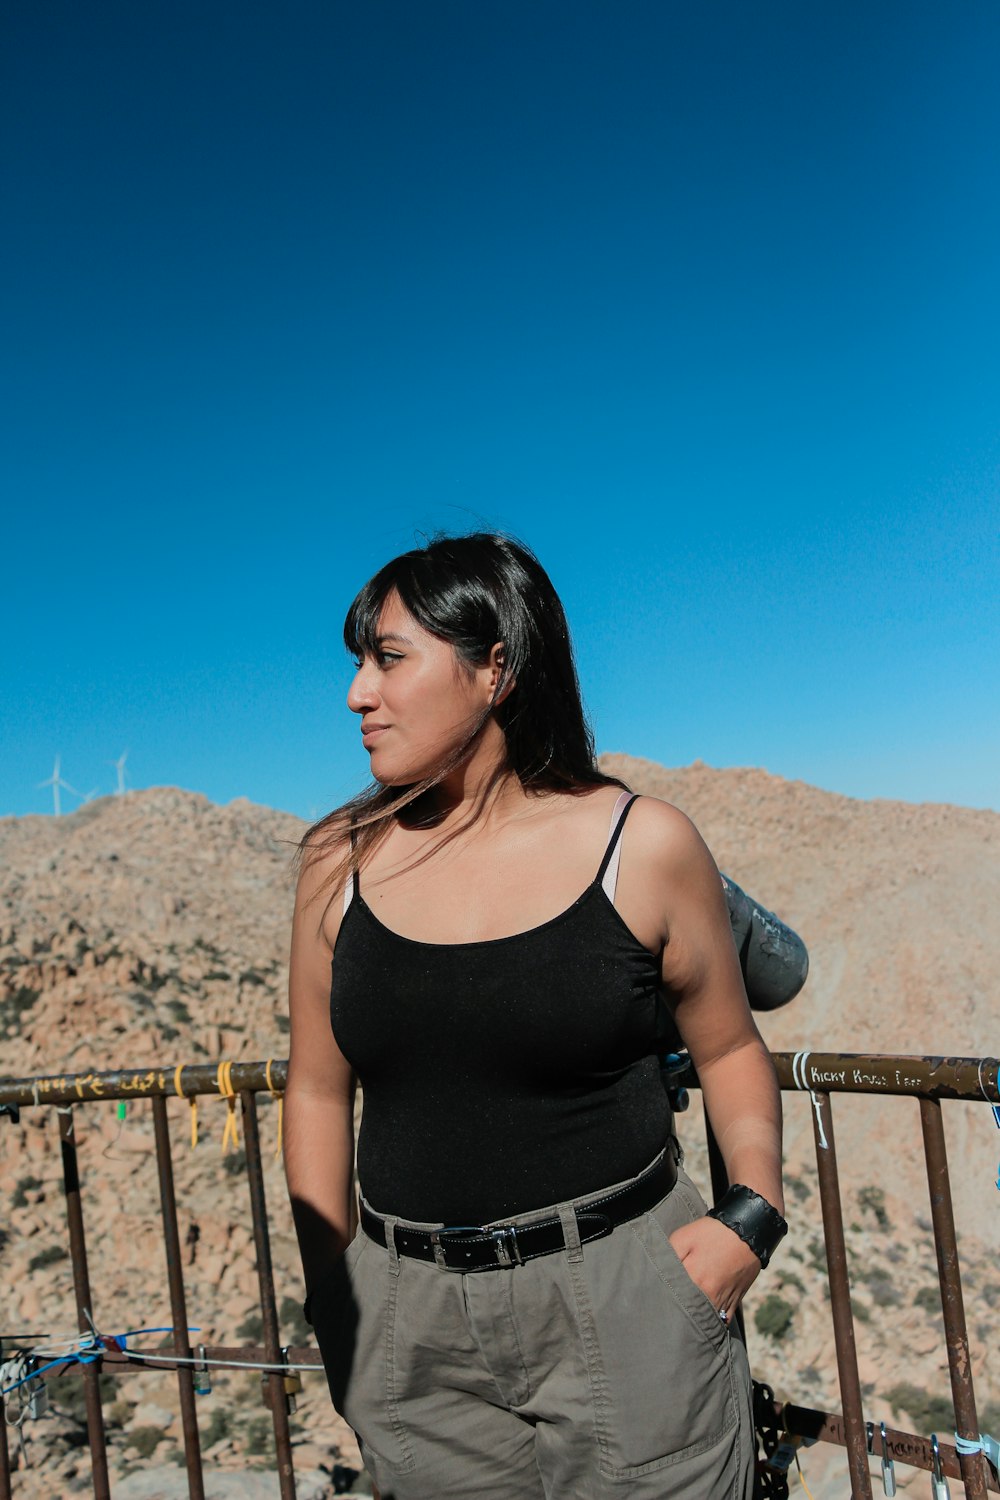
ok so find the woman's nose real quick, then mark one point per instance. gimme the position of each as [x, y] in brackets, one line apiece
[362, 694]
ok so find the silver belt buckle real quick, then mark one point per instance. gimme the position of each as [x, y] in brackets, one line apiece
[506, 1246]
[450, 1230]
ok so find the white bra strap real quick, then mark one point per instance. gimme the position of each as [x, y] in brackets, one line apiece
[609, 884]
[348, 893]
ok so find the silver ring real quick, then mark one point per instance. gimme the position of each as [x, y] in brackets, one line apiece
[723, 1315]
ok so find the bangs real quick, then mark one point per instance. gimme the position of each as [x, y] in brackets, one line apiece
[361, 624]
[361, 632]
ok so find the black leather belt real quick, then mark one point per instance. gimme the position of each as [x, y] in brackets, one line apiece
[481, 1248]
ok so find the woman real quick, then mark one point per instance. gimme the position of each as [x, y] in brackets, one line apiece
[536, 1303]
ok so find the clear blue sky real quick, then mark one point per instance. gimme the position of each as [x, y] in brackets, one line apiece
[701, 301]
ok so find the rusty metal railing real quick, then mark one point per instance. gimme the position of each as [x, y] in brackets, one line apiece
[929, 1080]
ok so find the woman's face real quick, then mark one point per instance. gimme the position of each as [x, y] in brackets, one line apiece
[417, 702]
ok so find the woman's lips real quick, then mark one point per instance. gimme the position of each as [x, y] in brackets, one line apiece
[370, 736]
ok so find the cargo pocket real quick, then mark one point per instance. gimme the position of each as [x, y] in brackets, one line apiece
[658, 1354]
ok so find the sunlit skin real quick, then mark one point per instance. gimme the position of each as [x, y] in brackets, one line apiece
[417, 703]
[526, 860]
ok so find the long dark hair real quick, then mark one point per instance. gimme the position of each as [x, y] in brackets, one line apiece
[474, 591]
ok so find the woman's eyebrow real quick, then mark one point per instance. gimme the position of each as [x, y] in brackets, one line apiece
[401, 640]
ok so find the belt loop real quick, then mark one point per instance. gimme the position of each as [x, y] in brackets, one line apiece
[571, 1232]
[390, 1245]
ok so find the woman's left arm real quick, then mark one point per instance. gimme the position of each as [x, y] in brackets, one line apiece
[703, 983]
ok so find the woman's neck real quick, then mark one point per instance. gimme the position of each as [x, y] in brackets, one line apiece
[480, 789]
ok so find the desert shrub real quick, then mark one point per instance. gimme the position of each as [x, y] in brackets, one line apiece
[929, 1298]
[47, 1257]
[145, 1440]
[25, 1185]
[252, 1328]
[179, 1011]
[872, 1200]
[883, 1290]
[799, 1187]
[929, 1413]
[120, 1412]
[773, 1318]
[251, 976]
[14, 1006]
[292, 1319]
[282, 1022]
[817, 1254]
[68, 1399]
[259, 1435]
[989, 1417]
[218, 974]
[790, 1278]
[219, 1426]
[235, 1163]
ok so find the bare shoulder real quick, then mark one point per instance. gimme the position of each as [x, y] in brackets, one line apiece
[315, 892]
[666, 838]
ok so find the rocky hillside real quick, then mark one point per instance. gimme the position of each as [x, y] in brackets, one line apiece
[153, 928]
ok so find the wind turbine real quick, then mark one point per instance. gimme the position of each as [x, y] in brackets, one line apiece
[55, 781]
[119, 765]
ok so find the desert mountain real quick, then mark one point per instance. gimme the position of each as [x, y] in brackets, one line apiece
[153, 928]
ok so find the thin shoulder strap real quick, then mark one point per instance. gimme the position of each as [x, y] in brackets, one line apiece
[352, 885]
[607, 875]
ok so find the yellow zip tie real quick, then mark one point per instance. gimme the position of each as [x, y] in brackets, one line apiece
[278, 1098]
[224, 1083]
[802, 1477]
[193, 1101]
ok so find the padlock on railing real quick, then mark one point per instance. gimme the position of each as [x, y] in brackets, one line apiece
[37, 1403]
[293, 1387]
[202, 1380]
[888, 1467]
[939, 1485]
[783, 1457]
[293, 1384]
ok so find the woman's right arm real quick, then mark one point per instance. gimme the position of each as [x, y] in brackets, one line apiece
[319, 1094]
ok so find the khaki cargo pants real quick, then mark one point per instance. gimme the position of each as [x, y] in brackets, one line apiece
[601, 1370]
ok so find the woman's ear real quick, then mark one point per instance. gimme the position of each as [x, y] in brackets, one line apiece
[500, 685]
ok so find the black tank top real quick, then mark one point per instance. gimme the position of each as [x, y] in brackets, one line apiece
[504, 1075]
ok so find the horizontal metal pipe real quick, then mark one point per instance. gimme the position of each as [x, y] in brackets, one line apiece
[972, 1078]
[190, 1081]
[904, 1447]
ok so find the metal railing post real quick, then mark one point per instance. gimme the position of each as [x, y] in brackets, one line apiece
[840, 1297]
[84, 1305]
[178, 1301]
[5, 1493]
[952, 1303]
[268, 1307]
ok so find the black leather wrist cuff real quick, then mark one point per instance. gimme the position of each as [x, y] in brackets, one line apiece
[750, 1216]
